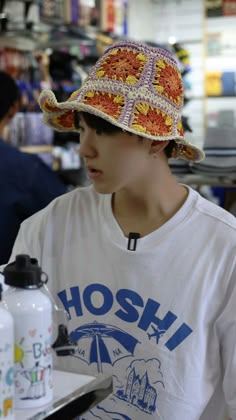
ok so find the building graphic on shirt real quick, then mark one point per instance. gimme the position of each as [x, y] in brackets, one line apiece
[139, 392]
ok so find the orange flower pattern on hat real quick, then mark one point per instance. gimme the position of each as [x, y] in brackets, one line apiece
[135, 87]
[151, 121]
[168, 82]
[48, 106]
[105, 102]
[125, 65]
[180, 128]
[66, 119]
[51, 108]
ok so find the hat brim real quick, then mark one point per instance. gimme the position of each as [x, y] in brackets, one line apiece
[60, 116]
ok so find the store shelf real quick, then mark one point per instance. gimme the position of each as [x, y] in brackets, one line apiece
[213, 181]
[221, 96]
[44, 148]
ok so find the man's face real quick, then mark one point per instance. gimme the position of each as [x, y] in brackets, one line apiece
[114, 161]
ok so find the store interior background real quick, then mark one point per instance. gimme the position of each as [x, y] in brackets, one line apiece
[53, 44]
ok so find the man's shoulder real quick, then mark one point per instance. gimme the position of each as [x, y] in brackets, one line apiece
[216, 215]
[66, 205]
[77, 197]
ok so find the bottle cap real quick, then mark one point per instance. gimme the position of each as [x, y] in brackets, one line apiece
[25, 273]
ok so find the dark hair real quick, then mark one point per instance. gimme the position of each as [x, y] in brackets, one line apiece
[103, 126]
[169, 148]
[98, 124]
[10, 93]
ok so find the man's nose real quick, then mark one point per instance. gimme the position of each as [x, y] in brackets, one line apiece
[87, 147]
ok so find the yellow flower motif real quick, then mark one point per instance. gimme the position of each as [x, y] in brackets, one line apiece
[118, 100]
[168, 120]
[90, 94]
[131, 80]
[160, 89]
[100, 73]
[114, 52]
[161, 64]
[143, 108]
[179, 125]
[142, 57]
[73, 95]
[139, 128]
[178, 100]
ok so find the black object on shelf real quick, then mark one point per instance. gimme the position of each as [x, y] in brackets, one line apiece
[76, 408]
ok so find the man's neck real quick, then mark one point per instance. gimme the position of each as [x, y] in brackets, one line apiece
[149, 209]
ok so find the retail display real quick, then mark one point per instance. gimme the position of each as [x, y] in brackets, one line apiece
[220, 83]
[32, 313]
[6, 362]
[62, 70]
[220, 74]
[27, 129]
[217, 8]
[220, 152]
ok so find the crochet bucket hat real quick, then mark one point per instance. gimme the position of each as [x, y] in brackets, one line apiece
[135, 87]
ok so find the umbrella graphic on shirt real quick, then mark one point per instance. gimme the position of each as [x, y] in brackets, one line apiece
[102, 343]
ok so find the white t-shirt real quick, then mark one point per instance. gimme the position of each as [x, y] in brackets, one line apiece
[160, 319]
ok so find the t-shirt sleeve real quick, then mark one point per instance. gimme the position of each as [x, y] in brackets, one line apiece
[22, 246]
[30, 237]
[226, 327]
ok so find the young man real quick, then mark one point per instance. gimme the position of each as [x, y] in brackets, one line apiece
[144, 266]
[27, 184]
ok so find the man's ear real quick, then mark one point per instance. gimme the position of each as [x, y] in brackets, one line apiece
[158, 146]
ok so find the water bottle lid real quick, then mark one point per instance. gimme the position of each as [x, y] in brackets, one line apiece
[25, 273]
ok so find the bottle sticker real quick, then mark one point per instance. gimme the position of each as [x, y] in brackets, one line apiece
[6, 380]
[33, 365]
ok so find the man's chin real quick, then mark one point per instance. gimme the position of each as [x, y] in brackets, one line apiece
[102, 189]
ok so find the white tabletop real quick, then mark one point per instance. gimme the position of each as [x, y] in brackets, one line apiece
[65, 383]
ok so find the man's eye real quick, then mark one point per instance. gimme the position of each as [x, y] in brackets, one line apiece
[98, 132]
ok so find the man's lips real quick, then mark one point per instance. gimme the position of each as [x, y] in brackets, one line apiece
[93, 172]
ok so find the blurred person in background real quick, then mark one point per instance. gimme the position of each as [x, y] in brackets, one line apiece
[27, 184]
